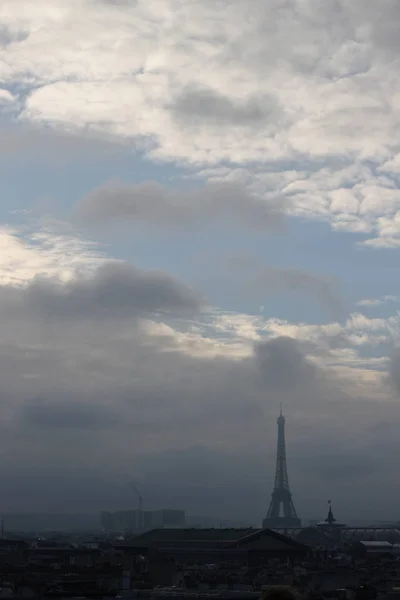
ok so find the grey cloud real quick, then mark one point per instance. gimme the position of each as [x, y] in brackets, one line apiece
[56, 146]
[281, 363]
[58, 489]
[324, 288]
[117, 290]
[204, 105]
[343, 466]
[118, 3]
[155, 203]
[380, 20]
[7, 36]
[264, 279]
[194, 484]
[66, 414]
[209, 422]
[333, 342]
[205, 477]
[394, 370]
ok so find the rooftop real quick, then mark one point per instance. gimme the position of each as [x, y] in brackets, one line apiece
[193, 535]
[376, 544]
[213, 537]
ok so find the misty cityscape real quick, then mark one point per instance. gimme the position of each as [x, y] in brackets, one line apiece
[199, 306]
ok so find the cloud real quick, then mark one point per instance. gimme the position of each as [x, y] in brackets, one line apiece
[324, 116]
[40, 143]
[6, 97]
[356, 350]
[155, 203]
[296, 109]
[357, 331]
[371, 302]
[92, 382]
[394, 370]
[207, 106]
[28, 252]
[380, 20]
[9, 36]
[47, 248]
[264, 280]
[281, 363]
[323, 288]
[70, 414]
[118, 289]
[342, 466]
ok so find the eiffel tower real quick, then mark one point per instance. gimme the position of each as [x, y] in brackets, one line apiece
[281, 495]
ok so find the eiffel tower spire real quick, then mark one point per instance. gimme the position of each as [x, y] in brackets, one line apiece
[281, 495]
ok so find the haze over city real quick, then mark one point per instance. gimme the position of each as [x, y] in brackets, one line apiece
[199, 220]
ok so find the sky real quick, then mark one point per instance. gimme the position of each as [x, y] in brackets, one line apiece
[199, 219]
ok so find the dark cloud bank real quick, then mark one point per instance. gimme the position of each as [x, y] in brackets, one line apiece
[114, 290]
[92, 397]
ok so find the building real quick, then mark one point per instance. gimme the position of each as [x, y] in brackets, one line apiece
[247, 545]
[372, 550]
[331, 527]
[332, 531]
[137, 521]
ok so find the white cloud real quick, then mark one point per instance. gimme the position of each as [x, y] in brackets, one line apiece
[48, 250]
[195, 342]
[368, 302]
[354, 352]
[383, 242]
[330, 344]
[6, 97]
[162, 72]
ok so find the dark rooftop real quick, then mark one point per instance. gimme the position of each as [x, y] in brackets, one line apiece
[193, 535]
[226, 537]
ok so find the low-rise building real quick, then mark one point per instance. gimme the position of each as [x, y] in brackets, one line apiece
[248, 545]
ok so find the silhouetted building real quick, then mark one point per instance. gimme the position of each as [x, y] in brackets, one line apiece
[372, 550]
[331, 527]
[251, 546]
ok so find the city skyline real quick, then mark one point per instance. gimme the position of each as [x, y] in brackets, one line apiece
[199, 219]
